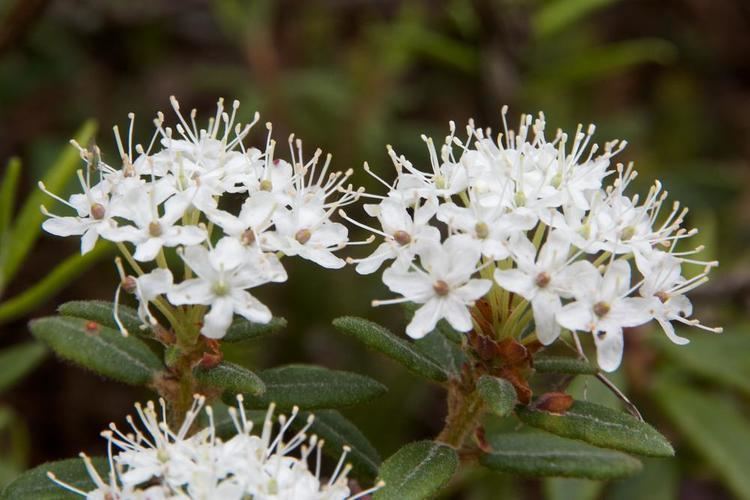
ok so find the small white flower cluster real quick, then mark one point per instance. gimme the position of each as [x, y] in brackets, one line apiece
[172, 194]
[159, 463]
[528, 221]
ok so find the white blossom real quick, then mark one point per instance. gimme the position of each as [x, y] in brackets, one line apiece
[443, 285]
[175, 196]
[546, 217]
[156, 462]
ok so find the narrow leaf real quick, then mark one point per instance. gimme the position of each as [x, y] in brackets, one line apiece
[566, 488]
[35, 485]
[58, 278]
[564, 364]
[242, 329]
[601, 426]
[312, 387]
[232, 378]
[19, 360]
[557, 15]
[659, 480]
[498, 394]
[27, 225]
[541, 454]
[8, 190]
[715, 428]
[417, 471]
[338, 432]
[721, 358]
[384, 341]
[103, 312]
[99, 348]
[443, 351]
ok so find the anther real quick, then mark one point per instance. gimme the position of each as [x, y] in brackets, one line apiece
[441, 288]
[303, 236]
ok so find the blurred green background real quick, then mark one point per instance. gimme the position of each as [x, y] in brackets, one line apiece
[672, 77]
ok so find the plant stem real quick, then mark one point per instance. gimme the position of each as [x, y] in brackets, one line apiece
[463, 414]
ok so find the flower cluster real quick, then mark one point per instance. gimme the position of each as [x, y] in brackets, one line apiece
[177, 194]
[531, 223]
[159, 463]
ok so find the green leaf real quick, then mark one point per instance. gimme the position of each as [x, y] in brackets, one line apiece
[566, 488]
[714, 427]
[242, 329]
[60, 277]
[232, 378]
[338, 432]
[603, 60]
[103, 312]
[498, 394]
[100, 348]
[15, 437]
[659, 480]
[18, 360]
[312, 387]
[443, 351]
[417, 471]
[564, 364]
[557, 15]
[542, 454]
[35, 485]
[721, 358]
[27, 225]
[382, 340]
[8, 190]
[600, 426]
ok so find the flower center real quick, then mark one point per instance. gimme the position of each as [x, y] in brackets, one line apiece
[520, 199]
[663, 296]
[482, 230]
[303, 236]
[556, 180]
[402, 237]
[220, 288]
[601, 308]
[248, 237]
[98, 211]
[154, 229]
[266, 185]
[440, 182]
[542, 279]
[627, 233]
[441, 288]
[585, 231]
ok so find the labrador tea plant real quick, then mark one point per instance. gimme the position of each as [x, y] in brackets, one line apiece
[512, 254]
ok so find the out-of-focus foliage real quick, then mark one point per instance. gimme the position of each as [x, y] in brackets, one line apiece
[671, 77]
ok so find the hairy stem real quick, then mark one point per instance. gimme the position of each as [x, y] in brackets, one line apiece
[463, 414]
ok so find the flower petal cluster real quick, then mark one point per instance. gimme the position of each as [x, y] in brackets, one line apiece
[228, 211]
[521, 222]
[155, 462]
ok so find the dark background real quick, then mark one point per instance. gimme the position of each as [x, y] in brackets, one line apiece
[672, 77]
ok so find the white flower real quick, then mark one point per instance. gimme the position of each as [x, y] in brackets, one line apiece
[538, 211]
[664, 285]
[154, 231]
[93, 214]
[161, 463]
[603, 308]
[224, 275]
[404, 233]
[148, 287]
[545, 279]
[306, 231]
[444, 286]
[490, 226]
